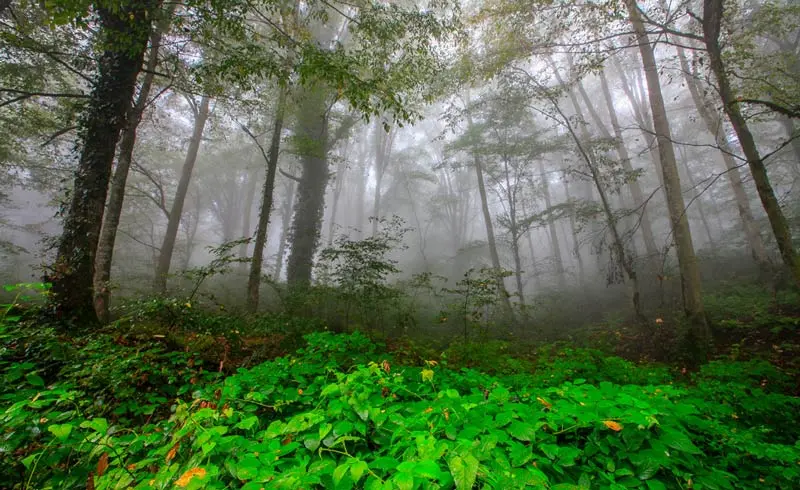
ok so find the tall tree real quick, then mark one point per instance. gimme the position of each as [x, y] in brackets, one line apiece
[200, 111]
[271, 159]
[712, 22]
[699, 334]
[123, 31]
[113, 212]
[715, 127]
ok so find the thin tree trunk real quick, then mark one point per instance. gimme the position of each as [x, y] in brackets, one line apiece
[554, 245]
[113, 212]
[487, 220]
[576, 245]
[698, 200]
[168, 245]
[383, 148]
[254, 280]
[72, 274]
[337, 194]
[249, 200]
[712, 19]
[714, 126]
[699, 335]
[286, 220]
[634, 186]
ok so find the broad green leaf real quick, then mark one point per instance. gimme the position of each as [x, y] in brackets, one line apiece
[464, 471]
[60, 431]
[404, 481]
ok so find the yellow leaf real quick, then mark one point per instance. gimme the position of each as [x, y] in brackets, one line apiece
[544, 402]
[172, 452]
[187, 477]
[615, 426]
[427, 375]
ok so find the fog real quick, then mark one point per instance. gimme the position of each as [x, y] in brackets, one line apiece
[530, 147]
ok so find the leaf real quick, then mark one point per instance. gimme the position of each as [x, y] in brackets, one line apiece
[172, 452]
[339, 472]
[35, 380]
[427, 375]
[311, 443]
[102, 464]
[615, 426]
[427, 469]
[679, 440]
[358, 469]
[404, 481]
[655, 485]
[464, 471]
[187, 477]
[60, 431]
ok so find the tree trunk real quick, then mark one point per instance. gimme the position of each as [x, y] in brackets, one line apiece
[254, 280]
[576, 244]
[712, 19]
[312, 126]
[699, 335]
[72, 274]
[168, 245]
[286, 219]
[556, 247]
[635, 188]
[714, 125]
[113, 212]
[249, 200]
[383, 148]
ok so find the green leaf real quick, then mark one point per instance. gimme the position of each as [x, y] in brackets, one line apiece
[655, 485]
[311, 443]
[247, 423]
[427, 469]
[339, 472]
[679, 440]
[357, 470]
[404, 481]
[61, 431]
[35, 380]
[464, 471]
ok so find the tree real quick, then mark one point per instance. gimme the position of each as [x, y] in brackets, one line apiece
[124, 29]
[111, 217]
[699, 334]
[200, 111]
[271, 159]
[712, 21]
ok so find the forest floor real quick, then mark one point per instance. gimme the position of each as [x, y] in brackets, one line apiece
[192, 399]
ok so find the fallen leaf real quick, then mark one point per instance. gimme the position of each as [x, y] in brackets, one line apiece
[102, 464]
[615, 426]
[172, 452]
[187, 477]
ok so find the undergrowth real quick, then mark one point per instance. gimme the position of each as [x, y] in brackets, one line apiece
[122, 410]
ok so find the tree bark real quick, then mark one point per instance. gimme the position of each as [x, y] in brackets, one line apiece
[312, 126]
[554, 245]
[699, 335]
[249, 200]
[487, 220]
[286, 220]
[383, 148]
[168, 245]
[714, 126]
[634, 186]
[113, 212]
[72, 273]
[712, 19]
[254, 280]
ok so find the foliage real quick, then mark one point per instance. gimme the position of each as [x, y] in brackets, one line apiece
[359, 270]
[476, 299]
[342, 413]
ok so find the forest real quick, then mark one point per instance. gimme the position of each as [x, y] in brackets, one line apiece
[395, 244]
